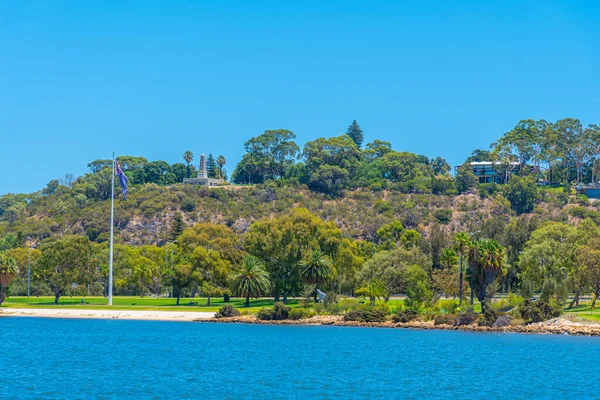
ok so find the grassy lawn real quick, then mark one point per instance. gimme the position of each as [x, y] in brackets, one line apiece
[584, 311]
[137, 303]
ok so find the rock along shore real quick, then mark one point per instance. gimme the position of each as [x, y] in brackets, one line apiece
[557, 326]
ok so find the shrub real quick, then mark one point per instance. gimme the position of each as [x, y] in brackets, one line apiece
[489, 317]
[444, 319]
[300, 313]
[466, 317]
[367, 314]
[502, 321]
[279, 312]
[443, 216]
[538, 311]
[227, 312]
[579, 212]
[404, 316]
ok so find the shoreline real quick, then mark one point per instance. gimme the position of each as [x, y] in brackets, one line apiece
[139, 315]
[557, 326]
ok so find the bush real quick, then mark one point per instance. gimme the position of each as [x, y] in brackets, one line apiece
[489, 317]
[444, 319]
[539, 311]
[466, 317]
[279, 312]
[404, 316]
[502, 321]
[300, 313]
[579, 212]
[443, 216]
[227, 312]
[367, 314]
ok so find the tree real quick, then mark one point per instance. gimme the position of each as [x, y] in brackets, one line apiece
[316, 269]
[177, 228]
[329, 179]
[465, 178]
[551, 252]
[251, 281]
[373, 289]
[376, 149]
[418, 288]
[281, 243]
[212, 170]
[180, 274]
[486, 267]
[7, 272]
[221, 161]
[188, 156]
[210, 270]
[440, 166]
[62, 261]
[522, 193]
[355, 133]
[267, 156]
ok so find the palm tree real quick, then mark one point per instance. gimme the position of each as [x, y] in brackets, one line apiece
[373, 289]
[462, 243]
[251, 281]
[188, 156]
[7, 272]
[221, 161]
[316, 269]
[449, 258]
[486, 263]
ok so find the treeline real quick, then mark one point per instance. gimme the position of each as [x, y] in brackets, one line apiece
[333, 165]
[298, 253]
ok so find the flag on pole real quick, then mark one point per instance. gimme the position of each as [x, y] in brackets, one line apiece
[122, 179]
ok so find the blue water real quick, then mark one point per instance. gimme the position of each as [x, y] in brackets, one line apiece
[108, 359]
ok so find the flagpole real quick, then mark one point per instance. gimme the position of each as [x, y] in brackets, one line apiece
[112, 216]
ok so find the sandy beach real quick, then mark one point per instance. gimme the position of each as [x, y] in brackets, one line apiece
[107, 314]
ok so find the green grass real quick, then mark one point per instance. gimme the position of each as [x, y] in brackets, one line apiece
[584, 311]
[137, 303]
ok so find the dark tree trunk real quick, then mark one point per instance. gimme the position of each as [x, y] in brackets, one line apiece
[226, 298]
[285, 297]
[56, 297]
[575, 300]
[247, 301]
[194, 290]
[208, 300]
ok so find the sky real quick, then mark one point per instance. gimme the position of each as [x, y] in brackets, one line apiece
[79, 80]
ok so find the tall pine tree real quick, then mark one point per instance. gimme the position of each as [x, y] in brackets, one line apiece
[211, 167]
[356, 133]
[177, 227]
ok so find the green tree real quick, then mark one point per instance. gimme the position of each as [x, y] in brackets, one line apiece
[355, 133]
[210, 270]
[281, 243]
[251, 281]
[418, 288]
[486, 267]
[188, 156]
[373, 289]
[522, 193]
[316, 269]
[212, 169]
[221, 161]
[62, 262]
[267, 157]
[376, 149]
[7, 273]
[177, 228]
[465, 179]
[329, 179]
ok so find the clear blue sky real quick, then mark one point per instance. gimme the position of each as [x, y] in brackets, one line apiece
[155, 78]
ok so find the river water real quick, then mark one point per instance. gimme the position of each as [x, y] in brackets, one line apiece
[109, 359]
